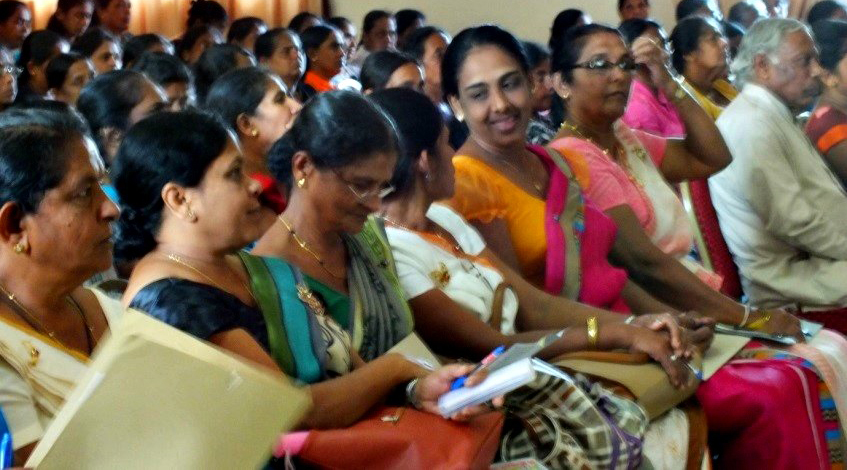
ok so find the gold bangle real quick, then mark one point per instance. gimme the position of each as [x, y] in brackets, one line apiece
[593, 328]
[760, 322]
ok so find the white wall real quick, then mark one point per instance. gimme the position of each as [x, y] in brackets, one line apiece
[527, 19]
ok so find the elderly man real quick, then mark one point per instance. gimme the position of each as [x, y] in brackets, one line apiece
[781, 209]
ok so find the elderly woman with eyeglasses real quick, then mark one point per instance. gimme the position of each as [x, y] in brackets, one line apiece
[8, 79]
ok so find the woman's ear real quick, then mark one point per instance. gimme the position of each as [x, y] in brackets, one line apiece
[301, 166]
[13, 228]
[424, 164]
[560, 86]
[177, 201]
[243, 125]
[456, 107]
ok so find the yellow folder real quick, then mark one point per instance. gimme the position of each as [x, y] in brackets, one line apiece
[157, 398]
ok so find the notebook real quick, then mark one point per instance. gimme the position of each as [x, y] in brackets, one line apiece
[154, 397]
[498, 383]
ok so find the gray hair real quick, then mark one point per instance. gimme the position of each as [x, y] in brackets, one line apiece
[764, 37]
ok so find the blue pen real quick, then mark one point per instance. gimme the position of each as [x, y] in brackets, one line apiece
[460, 382]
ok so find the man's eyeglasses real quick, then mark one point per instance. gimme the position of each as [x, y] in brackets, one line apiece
[603, 65]
[380, 193]
[7, 69]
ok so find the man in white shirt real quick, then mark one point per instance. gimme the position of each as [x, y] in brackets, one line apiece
[781, 210]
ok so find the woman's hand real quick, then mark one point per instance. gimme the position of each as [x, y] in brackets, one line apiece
[658, 347]
[700, 329]
[781, 323]
[665, 321]
[647, 52]
[437, 383]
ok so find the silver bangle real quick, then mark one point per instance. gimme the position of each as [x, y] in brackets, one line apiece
[411, 397]
[629, 320]
[746, 316]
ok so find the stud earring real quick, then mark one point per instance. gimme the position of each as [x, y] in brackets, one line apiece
[301, 182]
[254, 133]
[19, 248]
[191, 215]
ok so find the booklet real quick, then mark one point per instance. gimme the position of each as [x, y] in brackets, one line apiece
[499, 382]
[155, 397]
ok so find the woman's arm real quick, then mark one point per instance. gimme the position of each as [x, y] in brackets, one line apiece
[498, 240]
[662, 275]
[703, 152]
[640, 302]
[837, 159]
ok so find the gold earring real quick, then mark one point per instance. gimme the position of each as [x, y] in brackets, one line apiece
[19, 248]
[191, 215]
[301, 182]
[254, 132]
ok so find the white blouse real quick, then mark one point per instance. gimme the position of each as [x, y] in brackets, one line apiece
[423, 265]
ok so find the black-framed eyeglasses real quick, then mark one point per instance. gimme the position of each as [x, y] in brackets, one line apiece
[603, 65]
[380, 193]
[9, 69]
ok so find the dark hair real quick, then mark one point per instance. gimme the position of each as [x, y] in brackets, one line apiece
[621, 3]
[88, 42]
[418, 123]
[564, 21]
[339, 22]
[831, 38]
[535, 53]
[214, 62]
[266, 42]
[406, 18]
[135, 46]
[57, 68]
[190, 38]
[823, 10]
[685, 38]
[34, 153]
[336, 128]
[485, 35]
[686, 8]
[739, 10]
[107, 101]
[371, 18]
[53, 23]
[238, 92]
[313, 37]
[415, 44]
[300, 19]
[163, 68]
[732, 29]
[206, 12]
[633, 28]
[152, 155]
[566, 54]
[8, 8]
[378, 67]
[242, 27]
[37, 48]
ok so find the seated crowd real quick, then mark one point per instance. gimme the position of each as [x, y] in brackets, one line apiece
[477, 190]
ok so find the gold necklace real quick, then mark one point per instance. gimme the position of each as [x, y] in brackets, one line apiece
[178, 260]
[37, 324]
[305, 247]
[617, 149]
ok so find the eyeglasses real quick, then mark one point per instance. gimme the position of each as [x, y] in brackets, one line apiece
[381, 193]
[603, 65]
[8, 69]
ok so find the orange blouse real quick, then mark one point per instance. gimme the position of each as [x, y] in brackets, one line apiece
[484, 194]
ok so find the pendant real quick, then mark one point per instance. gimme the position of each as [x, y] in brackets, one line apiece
[441, 276]
[308, 298]
[34, 353]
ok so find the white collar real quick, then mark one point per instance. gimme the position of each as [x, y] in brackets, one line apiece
[762, 97]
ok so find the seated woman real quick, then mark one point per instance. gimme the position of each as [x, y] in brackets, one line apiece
[71, 18]
[701, 56]
[255, 104]
[245, 30]
[541, 128]
[281, 52]
[137, 46]
[38, 48]
[172, 75]
[827, 126]
[8, 79]
[529, 208]
[195, 41]
[324, 48]
[103, 49]
[390, 69]
[649, 108]
[215, 61]
[54, 234]
[67, 74]
[189, 209]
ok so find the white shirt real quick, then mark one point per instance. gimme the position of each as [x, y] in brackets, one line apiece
[781, 210]
[423, 266]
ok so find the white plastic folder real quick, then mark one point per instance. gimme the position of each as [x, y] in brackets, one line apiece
[157, 398]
